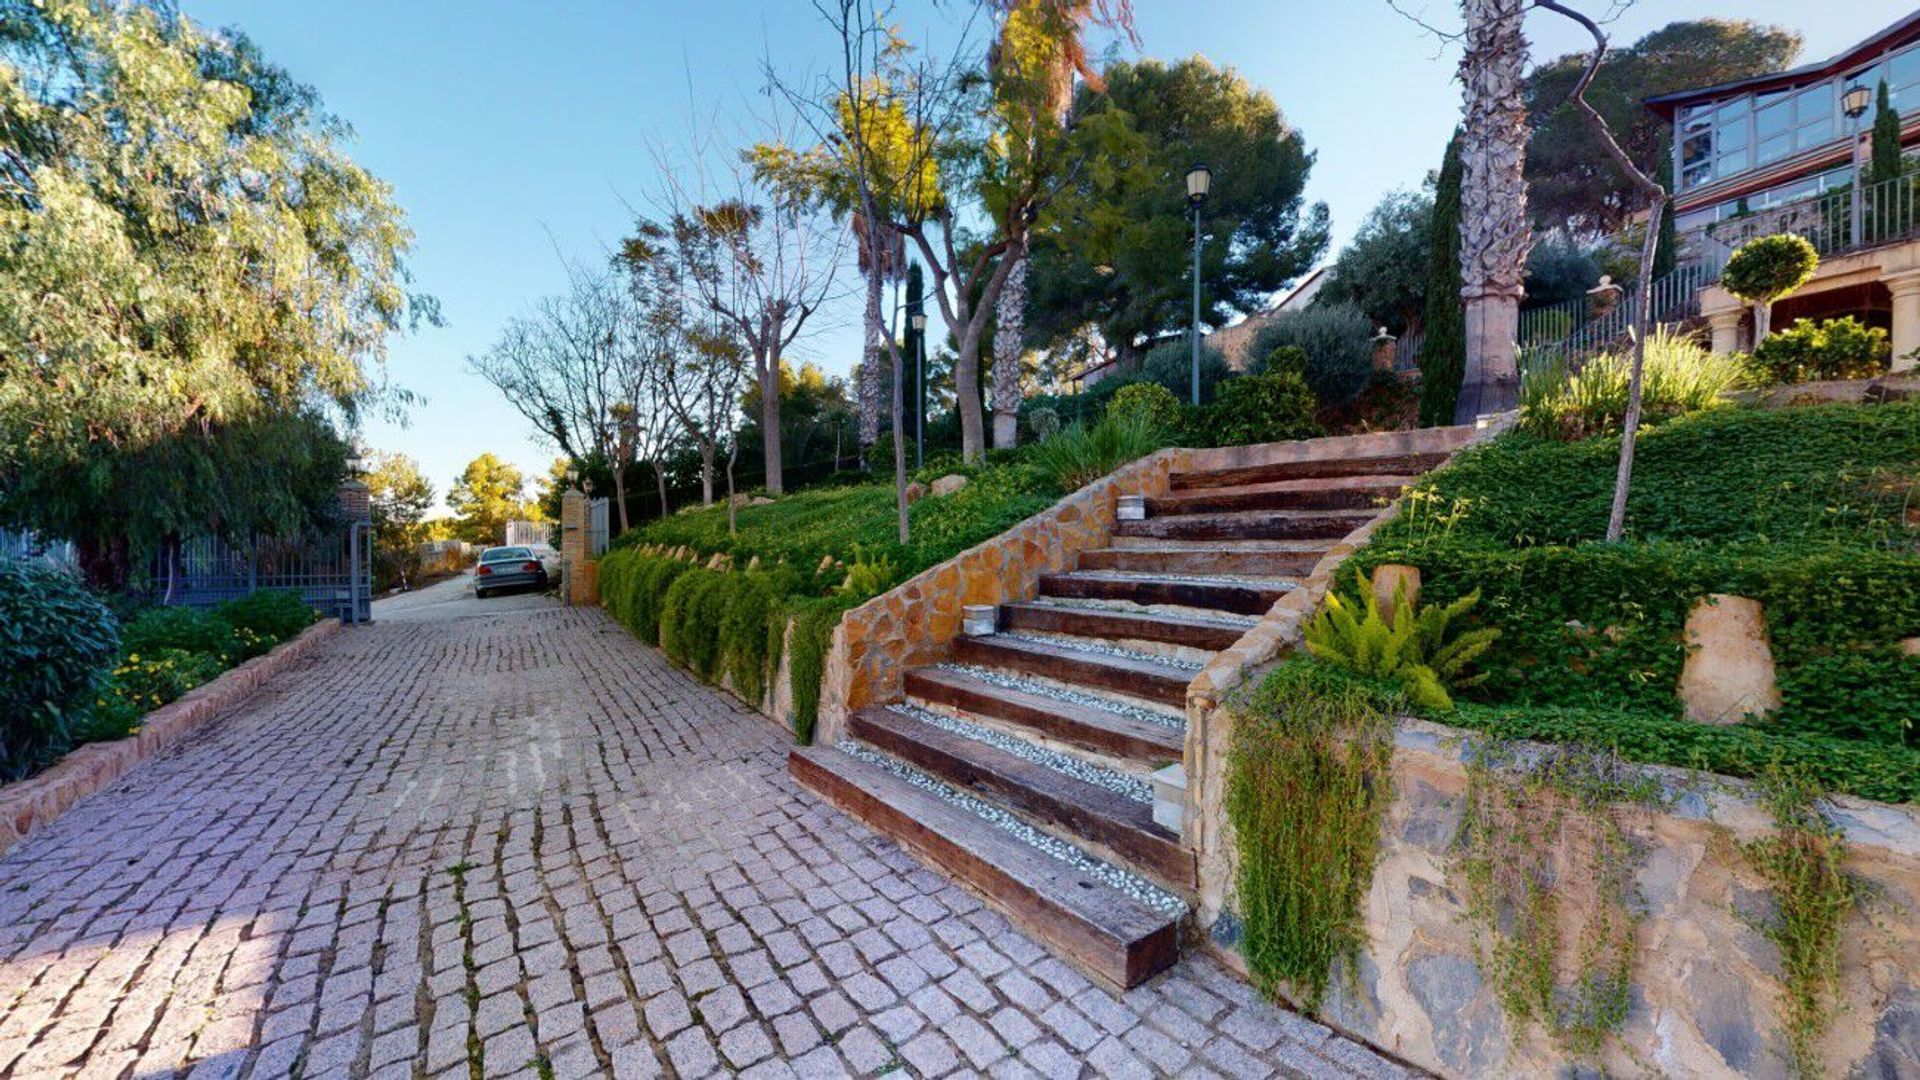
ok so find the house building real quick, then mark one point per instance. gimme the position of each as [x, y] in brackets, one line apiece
[1779, 153]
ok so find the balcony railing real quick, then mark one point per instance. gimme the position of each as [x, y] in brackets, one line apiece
[1588, 324]
[1887, 212]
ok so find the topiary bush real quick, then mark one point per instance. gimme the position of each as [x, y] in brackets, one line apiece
[1767, 268]
[56, 643]
[1258, 409]
[1149, 403]
[1338, 342]
[1842, 348]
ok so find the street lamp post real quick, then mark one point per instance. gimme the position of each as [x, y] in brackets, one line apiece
[920, 389]
[1854, 104]
[1199, 183]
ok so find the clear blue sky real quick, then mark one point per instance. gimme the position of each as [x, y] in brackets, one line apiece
[516, 133]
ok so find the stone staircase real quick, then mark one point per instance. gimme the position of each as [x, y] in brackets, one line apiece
[1022, 765]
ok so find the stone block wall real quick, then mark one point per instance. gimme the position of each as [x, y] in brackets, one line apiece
[1706, 982]
[913, 623]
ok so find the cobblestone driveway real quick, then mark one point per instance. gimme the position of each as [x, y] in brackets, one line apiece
[524, 844]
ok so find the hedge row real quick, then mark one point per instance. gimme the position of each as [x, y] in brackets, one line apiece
[725, 626]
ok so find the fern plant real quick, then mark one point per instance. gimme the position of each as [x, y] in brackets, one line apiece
[1417, 649]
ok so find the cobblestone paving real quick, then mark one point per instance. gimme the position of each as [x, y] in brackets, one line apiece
[525, 845]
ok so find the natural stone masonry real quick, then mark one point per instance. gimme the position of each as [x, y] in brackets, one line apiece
[527, 845]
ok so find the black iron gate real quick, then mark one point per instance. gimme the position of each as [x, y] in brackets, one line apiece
[334, 572]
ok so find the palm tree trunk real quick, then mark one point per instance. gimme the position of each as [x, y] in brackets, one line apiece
[1010, 315]
[1494, 233]
[876, 343]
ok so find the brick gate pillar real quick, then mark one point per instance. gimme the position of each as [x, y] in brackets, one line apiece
[574, 555]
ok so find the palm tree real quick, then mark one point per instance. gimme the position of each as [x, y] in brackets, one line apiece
[1494, 233]
[891, 265]
[1041, 49]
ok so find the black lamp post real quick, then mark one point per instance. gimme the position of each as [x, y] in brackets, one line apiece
[1854, 103]
[1199, 184]
[920, 389]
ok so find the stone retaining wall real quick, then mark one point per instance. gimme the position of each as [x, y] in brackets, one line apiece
[913, 623]
[29, 804]
[1706, 989]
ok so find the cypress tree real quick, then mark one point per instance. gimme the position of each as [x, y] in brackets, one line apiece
[1886, 164]
[1443, 353]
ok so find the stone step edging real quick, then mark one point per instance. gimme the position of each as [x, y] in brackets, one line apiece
[30, 804]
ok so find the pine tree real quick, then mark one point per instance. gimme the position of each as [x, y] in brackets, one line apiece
[1886, 164]
[1443, 352]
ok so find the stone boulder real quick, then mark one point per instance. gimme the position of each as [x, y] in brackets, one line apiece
[1729, 672]
[915, 492]
[1389, 578]
[948, 484]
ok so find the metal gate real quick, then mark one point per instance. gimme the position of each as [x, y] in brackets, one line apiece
[596, 528]
[334, 573]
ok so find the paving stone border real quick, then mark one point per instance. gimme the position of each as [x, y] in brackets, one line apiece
[30, 804]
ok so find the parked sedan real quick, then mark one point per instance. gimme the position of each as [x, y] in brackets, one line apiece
[507, 568]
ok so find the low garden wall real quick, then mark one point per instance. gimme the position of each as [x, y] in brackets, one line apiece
[913, 623]
[30, 804]
[1707, 984]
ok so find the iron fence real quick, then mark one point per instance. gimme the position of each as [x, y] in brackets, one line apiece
[333, 573]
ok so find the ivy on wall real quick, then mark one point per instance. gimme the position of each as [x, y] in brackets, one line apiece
[1308, 781]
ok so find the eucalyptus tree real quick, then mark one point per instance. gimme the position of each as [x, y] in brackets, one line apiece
[190, 259]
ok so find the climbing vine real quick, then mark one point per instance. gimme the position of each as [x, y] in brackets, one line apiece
[1308, 781]
[1548, 861]
[1802, 861]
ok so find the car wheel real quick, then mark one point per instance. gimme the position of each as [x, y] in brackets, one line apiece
[479, 594]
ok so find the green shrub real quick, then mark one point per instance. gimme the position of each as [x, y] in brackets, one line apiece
[1043, 420]
[145, 681]
[1149, 402]
[1170, 365]
[813, 624]
[56, 642]
[1830, 349]
[879, 453]
[1259, 409]
[1338, 342]
[1079, 455]
[184, 628]
[270, 615]
[1680, 377]
[1767, 268]
[994, 500]
[1286, 360]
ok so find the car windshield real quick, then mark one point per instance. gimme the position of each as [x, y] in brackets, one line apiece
[505, 554]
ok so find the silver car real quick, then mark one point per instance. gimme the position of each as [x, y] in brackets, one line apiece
[509, 568]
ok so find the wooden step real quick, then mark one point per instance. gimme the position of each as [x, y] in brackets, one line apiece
[1102, 929]
[1073, 808]
[1078, 725]
[1352, 493]
[1249, 598]
[1145, 679]
[1250, 525]
[1394, 465]
[1112, 624]
[1272, 562]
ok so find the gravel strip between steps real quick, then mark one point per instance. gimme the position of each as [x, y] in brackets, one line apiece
[1060, 693]
[1097, 649]
[1133, 885]
[1122, 607]
[1066, 764]
[1241, 581]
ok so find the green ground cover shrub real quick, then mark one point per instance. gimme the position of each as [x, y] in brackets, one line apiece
[1804, 510]
[1680, 377]
[274, 615]
[142, 683]
[57, 642]
[1827, 349]
[184, 628]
